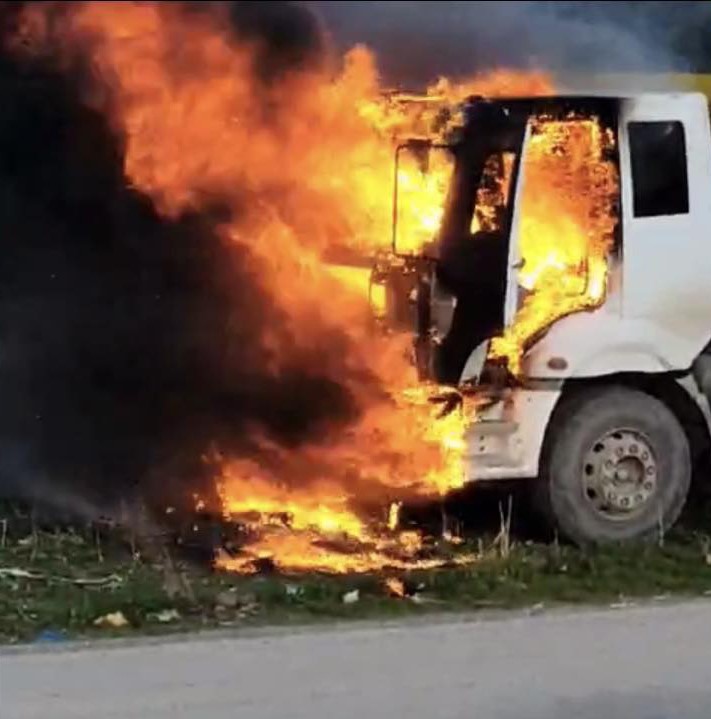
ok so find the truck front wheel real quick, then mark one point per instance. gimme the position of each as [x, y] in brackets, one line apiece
[617, 467]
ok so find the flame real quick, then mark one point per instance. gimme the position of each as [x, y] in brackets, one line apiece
[395, 587]
[421, 198]
[493, 194]
[358, 279]
[394, 515]
[305, 163]
[320, 493]
[567, 227]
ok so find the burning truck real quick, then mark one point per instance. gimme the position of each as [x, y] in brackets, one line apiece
[567, 284]
[546, 257]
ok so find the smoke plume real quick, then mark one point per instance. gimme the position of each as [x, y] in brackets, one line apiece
[131, 342]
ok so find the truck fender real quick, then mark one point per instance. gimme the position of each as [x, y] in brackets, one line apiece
[616, 360]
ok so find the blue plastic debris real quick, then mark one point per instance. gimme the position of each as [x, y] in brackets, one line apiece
[50, 636]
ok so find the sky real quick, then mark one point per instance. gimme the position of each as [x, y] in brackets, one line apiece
[418, 40]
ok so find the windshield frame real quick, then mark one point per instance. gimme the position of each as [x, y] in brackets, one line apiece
[412, 144]
[498, 135]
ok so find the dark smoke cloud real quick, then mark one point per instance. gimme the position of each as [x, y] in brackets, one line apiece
[416, 41]
[287, 35]
[130, 344]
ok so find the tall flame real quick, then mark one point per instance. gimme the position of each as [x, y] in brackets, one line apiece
[567, 227]
[305, 164]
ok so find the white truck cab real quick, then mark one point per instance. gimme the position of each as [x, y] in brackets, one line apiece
[608, 408]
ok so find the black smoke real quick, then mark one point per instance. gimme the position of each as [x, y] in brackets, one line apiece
[288, 36]
[129, 344]
[285, 36]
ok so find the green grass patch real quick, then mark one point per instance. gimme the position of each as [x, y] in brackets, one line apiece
[59, 585]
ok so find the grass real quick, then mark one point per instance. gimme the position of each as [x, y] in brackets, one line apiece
[57, 585]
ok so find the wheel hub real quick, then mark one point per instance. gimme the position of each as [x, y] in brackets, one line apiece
[620, 473]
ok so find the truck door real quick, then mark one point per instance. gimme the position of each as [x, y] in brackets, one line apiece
[666, 208]
[481, 265]
[498, 211]
[515, 258]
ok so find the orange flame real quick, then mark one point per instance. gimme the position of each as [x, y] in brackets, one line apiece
[395, 587]
[306, 165]
[567, 227]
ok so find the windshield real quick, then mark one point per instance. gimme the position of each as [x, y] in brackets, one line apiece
[492, 196]
[480, 195]
[422, 181]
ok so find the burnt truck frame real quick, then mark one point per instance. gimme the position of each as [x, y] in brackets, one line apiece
[609, 414]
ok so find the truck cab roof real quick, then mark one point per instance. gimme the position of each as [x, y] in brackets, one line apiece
[590, 101]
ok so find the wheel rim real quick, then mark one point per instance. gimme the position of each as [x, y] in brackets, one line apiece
[620, 474]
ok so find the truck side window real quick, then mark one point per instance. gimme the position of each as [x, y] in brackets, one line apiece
[659, 172]
[492, 194]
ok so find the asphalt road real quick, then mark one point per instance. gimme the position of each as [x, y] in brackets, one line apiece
[639, 663]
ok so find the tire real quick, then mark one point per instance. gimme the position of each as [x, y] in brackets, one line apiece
[595, 485]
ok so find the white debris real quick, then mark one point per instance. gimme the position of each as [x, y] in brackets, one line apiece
[293, 590]
[114, 619]
[351, 597]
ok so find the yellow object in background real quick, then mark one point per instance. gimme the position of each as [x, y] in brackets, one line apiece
[630, 83]
[701, 83]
